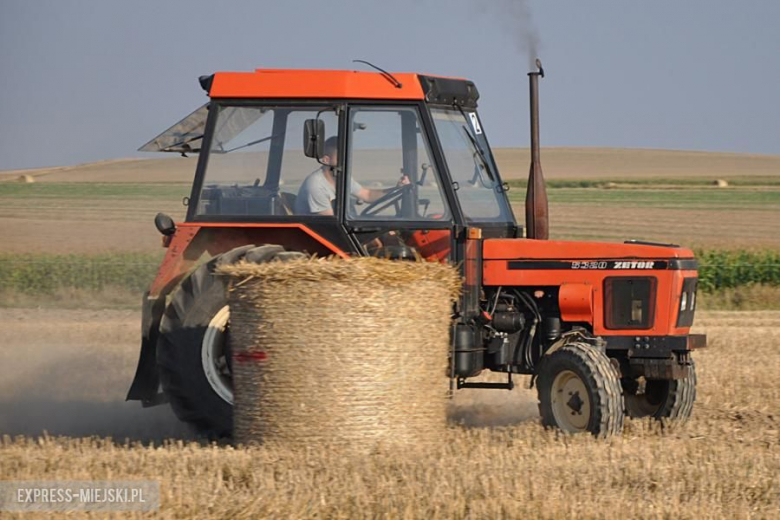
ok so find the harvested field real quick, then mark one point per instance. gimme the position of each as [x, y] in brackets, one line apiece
[171, 169]
[748, 227]
[724, 463]
[67, 372]
[89, 223]
[657, 195]
[71, 218]
[597, 163]
[568, 163]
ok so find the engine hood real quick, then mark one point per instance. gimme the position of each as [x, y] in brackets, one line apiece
[583, 272]
[595, 255]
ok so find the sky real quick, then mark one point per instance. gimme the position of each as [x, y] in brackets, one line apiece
[88, 80]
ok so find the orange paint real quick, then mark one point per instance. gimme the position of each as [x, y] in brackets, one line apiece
[575, 284]
[329, 245]
[576, 302]
[315, 84]
[192, 240]
[434, 244]
[174, 264]
[528, 249]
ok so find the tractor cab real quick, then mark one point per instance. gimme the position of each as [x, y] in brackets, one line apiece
[385, 165]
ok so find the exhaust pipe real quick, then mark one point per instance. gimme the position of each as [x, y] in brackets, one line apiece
[536, 217]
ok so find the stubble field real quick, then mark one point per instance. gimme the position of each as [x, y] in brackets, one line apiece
[496, 461]
[66, 371]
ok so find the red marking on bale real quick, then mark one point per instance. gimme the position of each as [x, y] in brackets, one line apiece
[250, 356]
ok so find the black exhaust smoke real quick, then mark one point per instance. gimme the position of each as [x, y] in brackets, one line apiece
[536, 216]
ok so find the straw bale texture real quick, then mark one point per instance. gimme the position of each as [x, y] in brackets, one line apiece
[346, 352]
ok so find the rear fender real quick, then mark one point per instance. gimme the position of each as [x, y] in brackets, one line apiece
[194, 240]
[146, 382]
[189, 244]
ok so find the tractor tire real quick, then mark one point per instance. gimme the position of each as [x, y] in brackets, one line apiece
[579, 391]
[192, 354]
[664, 399]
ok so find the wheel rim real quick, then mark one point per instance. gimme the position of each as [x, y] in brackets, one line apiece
[570, 402]
[213, 355]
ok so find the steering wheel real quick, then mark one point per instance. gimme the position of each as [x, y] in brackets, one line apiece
[391, 198]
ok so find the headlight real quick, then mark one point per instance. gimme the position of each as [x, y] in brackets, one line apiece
[688, 296]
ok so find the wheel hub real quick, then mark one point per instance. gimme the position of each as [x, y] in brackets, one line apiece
[575, 403]
[570, 402]
[214, 355]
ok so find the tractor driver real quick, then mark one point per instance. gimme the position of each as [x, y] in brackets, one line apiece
[318, 191]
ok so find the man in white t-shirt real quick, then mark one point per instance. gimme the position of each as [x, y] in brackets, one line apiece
[318, 191]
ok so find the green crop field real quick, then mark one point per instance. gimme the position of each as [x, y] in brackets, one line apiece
[44, 274]
[36, 278]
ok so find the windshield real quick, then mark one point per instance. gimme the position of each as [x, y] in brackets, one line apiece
[471, 166]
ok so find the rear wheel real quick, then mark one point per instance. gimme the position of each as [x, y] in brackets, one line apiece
[192, 353]
[579, 391]
[670, 399]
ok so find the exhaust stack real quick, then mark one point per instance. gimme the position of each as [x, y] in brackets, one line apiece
[536, 220]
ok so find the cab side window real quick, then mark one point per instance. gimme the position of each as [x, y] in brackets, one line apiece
[256, 165]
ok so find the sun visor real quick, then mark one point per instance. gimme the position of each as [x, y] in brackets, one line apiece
[183, 137]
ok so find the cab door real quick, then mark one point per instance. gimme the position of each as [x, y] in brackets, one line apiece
[395, 204]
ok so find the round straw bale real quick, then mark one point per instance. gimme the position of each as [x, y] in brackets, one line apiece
[340, 352]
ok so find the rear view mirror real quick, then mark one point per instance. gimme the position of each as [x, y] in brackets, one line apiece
[314, 138]
[164, 224]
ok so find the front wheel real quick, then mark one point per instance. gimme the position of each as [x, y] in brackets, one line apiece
[670, 399]
[579, 391]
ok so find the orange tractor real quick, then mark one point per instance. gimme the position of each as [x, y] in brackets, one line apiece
[305, 162]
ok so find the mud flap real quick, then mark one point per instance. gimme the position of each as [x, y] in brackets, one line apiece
[146, 383]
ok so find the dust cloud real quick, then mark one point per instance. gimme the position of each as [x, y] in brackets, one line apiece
[122, 421]
[480, 408]
[66, 372]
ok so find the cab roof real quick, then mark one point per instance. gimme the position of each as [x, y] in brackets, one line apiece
[339, 84]
[331, 84]
[186, 135]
